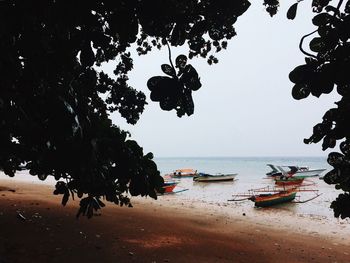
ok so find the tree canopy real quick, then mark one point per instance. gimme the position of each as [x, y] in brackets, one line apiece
[327, 67]
[55, 104]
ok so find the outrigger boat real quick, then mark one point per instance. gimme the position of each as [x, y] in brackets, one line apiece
[303, 171]
[265, 197]
[204, 177]
[169, 186]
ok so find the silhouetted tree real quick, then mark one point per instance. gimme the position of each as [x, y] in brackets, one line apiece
[55, 105]
[326, 68]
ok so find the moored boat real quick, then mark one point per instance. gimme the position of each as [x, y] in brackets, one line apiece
[292, 180]
[270, 199]
[204, 177]
[302, 171]
[185, 172]
[169, 186]
[266, 196]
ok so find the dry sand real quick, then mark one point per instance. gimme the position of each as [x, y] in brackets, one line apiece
[167, 230]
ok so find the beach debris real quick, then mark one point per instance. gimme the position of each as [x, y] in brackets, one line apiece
[82, 234]
[20, 216]
[36, 215]
[131, 253]
[243, 214]
[12, 190]
[98, 236]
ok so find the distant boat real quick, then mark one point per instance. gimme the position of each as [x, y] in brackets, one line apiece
[185, 172]
[204, 177]
[301, 171]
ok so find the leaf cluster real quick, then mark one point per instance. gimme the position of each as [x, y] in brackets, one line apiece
[55, 103]
[175, 91]
[328, 68]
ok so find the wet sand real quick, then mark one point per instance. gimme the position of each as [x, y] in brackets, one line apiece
[167, 230]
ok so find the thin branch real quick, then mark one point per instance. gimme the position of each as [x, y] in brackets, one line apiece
[171, 63]
[301, 45]
[339, 4]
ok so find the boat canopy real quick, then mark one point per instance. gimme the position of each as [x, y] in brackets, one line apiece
[185, 171]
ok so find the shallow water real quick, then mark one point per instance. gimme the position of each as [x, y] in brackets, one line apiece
[251, 174]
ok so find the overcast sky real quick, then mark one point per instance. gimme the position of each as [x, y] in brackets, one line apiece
[244, 107]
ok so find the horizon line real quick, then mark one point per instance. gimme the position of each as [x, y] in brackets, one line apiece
[247, 156]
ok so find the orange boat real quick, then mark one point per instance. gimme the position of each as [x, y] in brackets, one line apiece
[186, 172]
[293, 180]
[169, 186]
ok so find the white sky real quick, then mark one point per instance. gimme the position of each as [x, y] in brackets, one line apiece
[244, 107]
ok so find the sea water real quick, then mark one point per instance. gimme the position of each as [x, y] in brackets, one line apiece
[251, 174]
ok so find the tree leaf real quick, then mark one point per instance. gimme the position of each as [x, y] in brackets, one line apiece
[300, 73]
[169, 70]
[321, 19]
[190, 78]
[300, 91]
[292, 11]
[65, 198]
[181, 61]
[317, 44]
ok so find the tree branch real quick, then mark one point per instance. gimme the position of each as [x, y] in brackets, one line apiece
[171, 63]
[339, 4]
[301, 45]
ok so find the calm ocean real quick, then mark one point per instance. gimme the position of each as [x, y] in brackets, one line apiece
[251, 174]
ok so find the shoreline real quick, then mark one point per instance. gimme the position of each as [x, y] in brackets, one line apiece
[166, 230]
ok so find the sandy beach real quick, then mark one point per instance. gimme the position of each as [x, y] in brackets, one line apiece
[35, 227]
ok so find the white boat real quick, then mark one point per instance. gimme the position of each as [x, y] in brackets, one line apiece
[302, 171]
[204, 177]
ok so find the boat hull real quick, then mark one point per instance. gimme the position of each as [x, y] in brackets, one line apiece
[169, 187]
[273, 199]
[310, 173]
[290, 181]
[214, 178]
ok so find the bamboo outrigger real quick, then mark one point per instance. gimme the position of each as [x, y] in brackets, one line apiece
[268, 196]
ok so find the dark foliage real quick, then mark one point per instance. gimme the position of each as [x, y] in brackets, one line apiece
[325, 69]
[55, 105]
